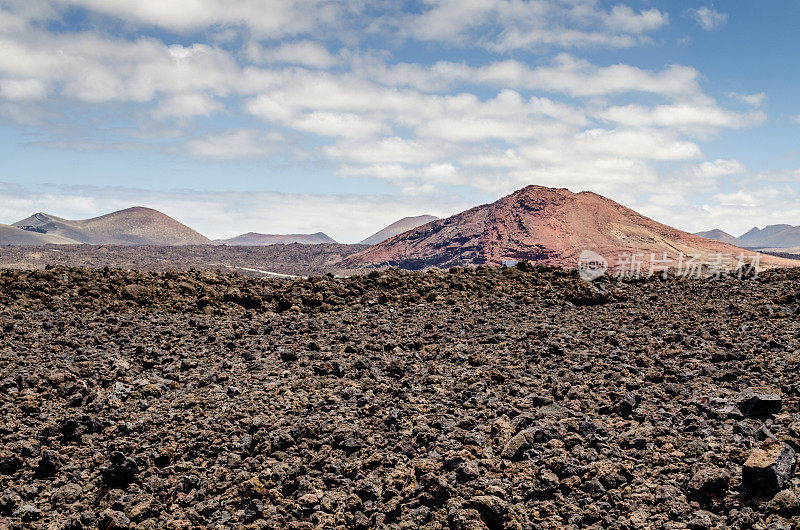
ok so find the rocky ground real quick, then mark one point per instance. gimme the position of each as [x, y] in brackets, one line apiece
[469, 398]
[788, 253]
[292, 259]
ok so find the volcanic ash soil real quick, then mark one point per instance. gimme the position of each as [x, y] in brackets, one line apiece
[469, 398]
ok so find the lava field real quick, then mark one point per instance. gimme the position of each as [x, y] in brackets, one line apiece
[467, 398]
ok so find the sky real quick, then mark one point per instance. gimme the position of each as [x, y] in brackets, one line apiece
[282, 116]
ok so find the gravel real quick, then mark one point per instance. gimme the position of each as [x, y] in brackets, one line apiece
[465, 398]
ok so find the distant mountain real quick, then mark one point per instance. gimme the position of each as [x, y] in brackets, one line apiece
[720, 235]
[398, 227]
[133, 226]
[771, 236]
[11, 235]
[545, 226]
[764, 237]
[253, 239]
[785, 238]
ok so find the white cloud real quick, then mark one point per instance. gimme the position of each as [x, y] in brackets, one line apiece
[234, 144]
[23, 89]
[685, 118]
[690, 206]
[504, 24]
[187, 106]
[565, 38]
[709, 18]
[393, 150]
[566, 74]
[344, 124]
[626, 19]
[496, 158]
[780, 175]
[619, 175]
[94, 69]
[475, 129]
[305, 53]
[719, 168]
[534, 23]
[493, 125]
[266, 18]
[753, 204]
[400, 134]
[632, 145]
[754, 100]
[500, 118]
[448, 20]
[581, 78]
[639, 144]
[431, 174]
[17, 15]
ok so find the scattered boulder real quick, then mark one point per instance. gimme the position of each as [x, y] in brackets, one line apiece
[717, 407]
[785, 503]
[288, 354]
[709, 482]
[768, 468]
[10, 464]
[759, 401]
[492, 509]
[120, 470]
[626, 405]
[540, 433]
[8, 502]
[138, 293]
[49, 463]
[586, 294]
[28, 513]
[113, 520]
[701, 520]
[66, 494]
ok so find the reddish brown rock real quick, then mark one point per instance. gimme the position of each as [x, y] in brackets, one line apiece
[768, 468]
[709, 482]
[113, 520]
[545, 226]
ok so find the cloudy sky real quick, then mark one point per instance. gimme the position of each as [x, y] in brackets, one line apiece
[307, 115]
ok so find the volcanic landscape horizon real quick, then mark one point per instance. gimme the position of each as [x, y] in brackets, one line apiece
[488, 397]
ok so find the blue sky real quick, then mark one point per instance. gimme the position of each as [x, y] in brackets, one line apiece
[280, 116]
